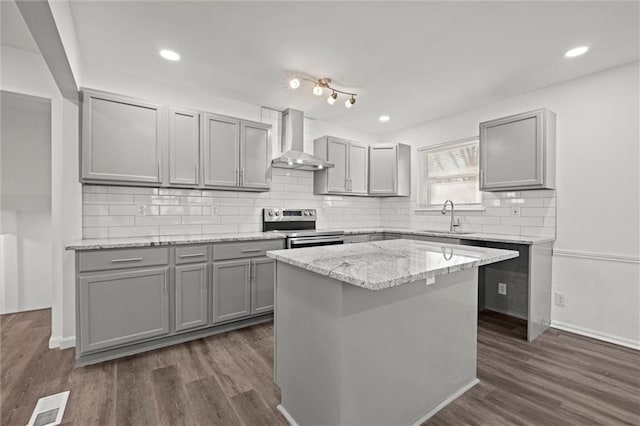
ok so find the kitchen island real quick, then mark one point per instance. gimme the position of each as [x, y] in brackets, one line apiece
[378, 333]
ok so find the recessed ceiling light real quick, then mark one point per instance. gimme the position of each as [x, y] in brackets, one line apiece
[384, 118]
[576, 51]
[169, 55]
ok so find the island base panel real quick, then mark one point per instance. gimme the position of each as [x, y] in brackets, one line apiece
[348, 355]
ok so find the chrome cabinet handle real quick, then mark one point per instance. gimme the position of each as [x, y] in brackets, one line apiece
[184, 256]
[159, 177]
[131, 259]
[253, 272]
[238, 177]
[251, 250]
[196, 173]
[242, 177]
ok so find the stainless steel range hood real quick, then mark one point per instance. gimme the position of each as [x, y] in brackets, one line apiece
[293, 156]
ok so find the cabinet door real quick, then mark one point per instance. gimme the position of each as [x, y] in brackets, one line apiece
[358, 168]
[184, 147]
[122, 139]
[231, 290]
[191, 296]
[255, 155]
[263, 274]
[511, 153]
[221, 151]
[382, 170]
[337, 153]
[118, 308]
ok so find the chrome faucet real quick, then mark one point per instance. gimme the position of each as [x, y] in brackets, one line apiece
[454, 222]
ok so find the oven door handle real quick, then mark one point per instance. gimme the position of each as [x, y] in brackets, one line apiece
[313, 240]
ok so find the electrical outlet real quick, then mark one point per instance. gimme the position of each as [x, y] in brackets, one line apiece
[142, 210]
[515, 211]
[561, 300]
[502, 289]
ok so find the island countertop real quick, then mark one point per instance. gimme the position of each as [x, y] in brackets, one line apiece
[384, 264]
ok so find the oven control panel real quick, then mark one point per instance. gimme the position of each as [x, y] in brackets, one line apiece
[289, 215]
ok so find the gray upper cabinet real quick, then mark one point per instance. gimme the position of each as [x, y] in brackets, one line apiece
[122, 307]
[122, 139]
[518, 152]
[231, 290]
[255, 155]
[221, 148]
[237, 153]
[350, 174]
[390, 170]
[263, 274]
[191, 291]
[184, 147]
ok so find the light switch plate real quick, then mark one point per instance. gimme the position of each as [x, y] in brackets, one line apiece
[502, 289]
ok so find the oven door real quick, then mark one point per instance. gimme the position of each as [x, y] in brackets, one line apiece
[300, 242]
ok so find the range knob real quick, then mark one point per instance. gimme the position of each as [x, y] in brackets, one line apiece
[311, 212]
[277, 213]
[306, 213]
[270, 213]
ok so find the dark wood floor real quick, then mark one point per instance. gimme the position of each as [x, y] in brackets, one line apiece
[561, 379]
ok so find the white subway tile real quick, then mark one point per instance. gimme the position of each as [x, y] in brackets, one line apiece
[538, 212]
[200, 220]
[220, 229]
[180, 192]
[95, 189]
[181, 210]
[501, 229]
[197, 201]
[95, 210]
[158, 220]
[133, 231]
[103, 198]
[91, 221]
[102, 232]
[131, 190]
[522, 202]
[123, 210]
[158, 199]
[181, 230]
[539, 193]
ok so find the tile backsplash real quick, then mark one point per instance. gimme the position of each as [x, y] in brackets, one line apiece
[536, 214]
[115, 211]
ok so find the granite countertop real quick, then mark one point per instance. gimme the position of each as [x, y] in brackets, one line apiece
[384, 264]
[107, 243]
[477, 236]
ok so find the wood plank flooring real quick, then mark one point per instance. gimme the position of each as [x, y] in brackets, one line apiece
[560, 379]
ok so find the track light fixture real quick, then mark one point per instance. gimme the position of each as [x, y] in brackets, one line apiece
[324, 83]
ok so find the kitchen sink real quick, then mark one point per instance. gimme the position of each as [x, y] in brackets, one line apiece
[448, 232]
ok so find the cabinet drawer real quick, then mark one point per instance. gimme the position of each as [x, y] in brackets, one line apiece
[101, 260]
[245, 249]
[191, 254]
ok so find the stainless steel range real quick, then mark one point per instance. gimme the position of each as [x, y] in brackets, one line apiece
[299, 225]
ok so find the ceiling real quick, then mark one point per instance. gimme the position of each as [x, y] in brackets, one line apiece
[415, 61]
[13, 30]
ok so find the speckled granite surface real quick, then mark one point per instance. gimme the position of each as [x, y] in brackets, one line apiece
[384, 264]
[478, 236]
[106, 243]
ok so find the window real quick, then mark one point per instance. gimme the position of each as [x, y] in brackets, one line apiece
[449, 171]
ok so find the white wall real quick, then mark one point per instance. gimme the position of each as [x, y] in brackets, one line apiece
[26, 72]
[25, 196]
[597, 251]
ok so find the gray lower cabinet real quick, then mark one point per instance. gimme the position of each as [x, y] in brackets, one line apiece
[191, 296]
[263, 274]
[122, 139]
[231, 290]
[121, 307]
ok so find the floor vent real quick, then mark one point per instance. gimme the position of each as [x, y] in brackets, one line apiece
[49, 410]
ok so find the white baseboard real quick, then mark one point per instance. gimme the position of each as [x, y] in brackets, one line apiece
[286, 415]
[59, 342]
[446, 402]
[616, 340]
[418, 422]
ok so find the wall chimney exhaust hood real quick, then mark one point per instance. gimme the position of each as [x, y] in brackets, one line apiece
[293, 156]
